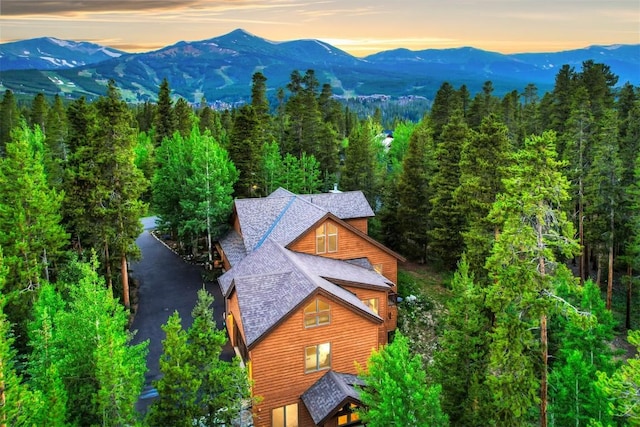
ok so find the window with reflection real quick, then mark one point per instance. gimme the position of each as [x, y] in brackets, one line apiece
[327, 238]
[285, 416]
[317, 357]
[372, 303]
[317, 313]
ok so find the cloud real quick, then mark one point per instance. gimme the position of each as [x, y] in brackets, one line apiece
[78, 7]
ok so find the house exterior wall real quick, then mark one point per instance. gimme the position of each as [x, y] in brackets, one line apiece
[361, 224]
[389, 313]
[350, 245]
[278, 361]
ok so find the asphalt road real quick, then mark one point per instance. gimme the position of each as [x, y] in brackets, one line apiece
[167, 284]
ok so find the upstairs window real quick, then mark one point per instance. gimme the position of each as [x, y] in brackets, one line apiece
[326, 238]
[317, 357]
[372, 303]
[317, 313]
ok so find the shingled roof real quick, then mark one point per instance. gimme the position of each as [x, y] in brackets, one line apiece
[284, 216]
[272, 281]
[330, 394]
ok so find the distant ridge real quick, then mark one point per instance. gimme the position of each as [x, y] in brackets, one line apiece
[221, 68]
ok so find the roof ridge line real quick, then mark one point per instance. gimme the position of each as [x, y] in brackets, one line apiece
[275, 222]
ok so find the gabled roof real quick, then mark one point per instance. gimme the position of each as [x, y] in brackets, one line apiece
[330, 393]
[284, 216]
[272, 282]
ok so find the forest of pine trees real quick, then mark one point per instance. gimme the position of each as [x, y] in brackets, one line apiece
[530, 202]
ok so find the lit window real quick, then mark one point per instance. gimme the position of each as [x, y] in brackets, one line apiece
[317, 357]
[372, 303]
[316, 314]
[326, 238]
[347, 416]
[285, 416]
[378, 268]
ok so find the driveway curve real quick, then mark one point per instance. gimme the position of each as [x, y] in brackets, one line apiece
[167, 284]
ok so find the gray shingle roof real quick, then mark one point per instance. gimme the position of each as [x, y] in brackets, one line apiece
[350, 204]
[284, 216]
[330, 393]
[343, 271]
[272, 281]
[233, 247]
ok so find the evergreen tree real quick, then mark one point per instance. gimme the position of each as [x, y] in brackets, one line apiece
[31, 235]
[56, 150]
[19, 406]
[184, 117]
[9, 118]
[414, 192]
[460, 364]
[244, 150]
[445, 103]
[483, 161]
[583, 350]
[178, 387]
[38, 112]
[622, 386]
[102, 372]
[196, 384]
[359, 172]
[43, 362]
[164, 121]
[396, 391]
[447, 221]
[604, 192]
[533, 231]
[117, 210]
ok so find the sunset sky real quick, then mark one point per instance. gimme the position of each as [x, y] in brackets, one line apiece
[360, 27]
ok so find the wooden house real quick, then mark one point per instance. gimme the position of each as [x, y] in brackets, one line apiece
[308, 295]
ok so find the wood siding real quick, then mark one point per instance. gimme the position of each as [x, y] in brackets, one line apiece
[361, 224]
[350, 246]
[388, 313]
[278, 360]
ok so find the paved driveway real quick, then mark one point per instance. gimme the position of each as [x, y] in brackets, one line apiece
[167, 284]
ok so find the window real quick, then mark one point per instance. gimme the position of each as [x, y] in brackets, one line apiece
[378, 268]
[285, 416]
[316, 314]
[372, 303]
[347, 416]
[317, 357]
[326, 238]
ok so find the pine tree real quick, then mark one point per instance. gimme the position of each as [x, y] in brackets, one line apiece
[102, 372]
[117, 210]
[244, 150]
[164, 121]
[9, 118]
[533, 231]
[483, 161]
[584, 349]
[414, 192]
[359, 172]
[447, 220]
[56, 150]
[445, 103]
[396, 391]
[31, 234]
[622, 386]
[184, 117]
[196, 384]
[461, 362]
[179, 384]
[38, 112]
[604, 192]
[43, 361]
[19, 406]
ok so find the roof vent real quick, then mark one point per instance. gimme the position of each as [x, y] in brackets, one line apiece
[335, 189]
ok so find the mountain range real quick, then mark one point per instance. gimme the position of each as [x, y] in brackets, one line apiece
[220, 69]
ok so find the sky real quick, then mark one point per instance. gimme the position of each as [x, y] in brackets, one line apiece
[360, 27]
